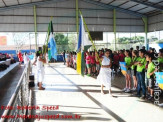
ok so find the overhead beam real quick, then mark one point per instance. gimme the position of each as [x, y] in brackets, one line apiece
[30, 4]
[115, 7]
[149, 4]
[4, 2]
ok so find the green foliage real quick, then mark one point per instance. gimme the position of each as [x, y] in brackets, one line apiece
[126, 40]
[65, 42]
[161, 41]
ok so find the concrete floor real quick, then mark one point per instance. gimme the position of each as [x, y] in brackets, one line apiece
[81, 95]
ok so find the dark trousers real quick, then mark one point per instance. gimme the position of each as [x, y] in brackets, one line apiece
[64, 60]
[141, 83]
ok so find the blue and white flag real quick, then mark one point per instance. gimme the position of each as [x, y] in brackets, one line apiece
[53, 46]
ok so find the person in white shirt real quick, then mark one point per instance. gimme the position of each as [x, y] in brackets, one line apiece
[40, 69]
[26, 58]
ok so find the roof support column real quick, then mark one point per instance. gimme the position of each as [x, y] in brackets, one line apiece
[35, 24]
[145, 20]
[77, 14]
[114, 28]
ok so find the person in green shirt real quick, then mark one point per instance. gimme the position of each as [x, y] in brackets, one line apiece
[160, 60]
[150, 75]
[128, 61]
[133, 69]
[140, 75]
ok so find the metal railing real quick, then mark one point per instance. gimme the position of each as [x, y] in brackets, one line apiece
[20, 98]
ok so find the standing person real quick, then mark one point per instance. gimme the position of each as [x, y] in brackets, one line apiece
[105, 72]
[88, 63]
[74, 60]
[93, 63]
[71, 59]
[40, 69]
[67, 59]
[63, 54]
[133, 69]
[150, 76]
[121, 56]
[160, 60]
[137, 48]
[140, 75]
[100, 53]
[116, 61]
[97, 66]
[143, 47]
[111, 56]
[131, 49]
[20, 57]
[26, 58]
[128, 61]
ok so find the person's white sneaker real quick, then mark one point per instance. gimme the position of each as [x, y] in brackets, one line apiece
[128, 90]
[124, 89]
[133, 89]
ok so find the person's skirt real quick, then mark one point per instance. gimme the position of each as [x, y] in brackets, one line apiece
[105, 77]
[40, 75]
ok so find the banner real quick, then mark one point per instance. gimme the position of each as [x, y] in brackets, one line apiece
[159, 79]
[123, 67]
[3, 40]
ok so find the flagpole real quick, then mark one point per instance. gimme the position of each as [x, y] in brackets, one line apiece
[90, 37]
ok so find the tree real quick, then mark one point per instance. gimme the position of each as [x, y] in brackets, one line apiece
[20, 39]
[61, 42]
[134, 39]
[72, 42]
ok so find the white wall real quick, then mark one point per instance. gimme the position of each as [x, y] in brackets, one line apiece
[64, 20]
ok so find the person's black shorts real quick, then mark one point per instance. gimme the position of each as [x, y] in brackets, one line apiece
[150, 82]
[133, 72]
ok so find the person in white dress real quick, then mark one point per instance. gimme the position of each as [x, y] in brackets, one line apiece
[26, 58]
[105, 72]
[40, 69]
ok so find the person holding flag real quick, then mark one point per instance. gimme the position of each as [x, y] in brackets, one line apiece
[105, 72]
[40, 69]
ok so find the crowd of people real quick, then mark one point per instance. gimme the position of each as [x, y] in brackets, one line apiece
[138, 63]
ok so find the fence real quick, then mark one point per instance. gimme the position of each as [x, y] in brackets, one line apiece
[20, 98]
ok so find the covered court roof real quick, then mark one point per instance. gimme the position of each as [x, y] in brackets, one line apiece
[137, 7]
[18, 15]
